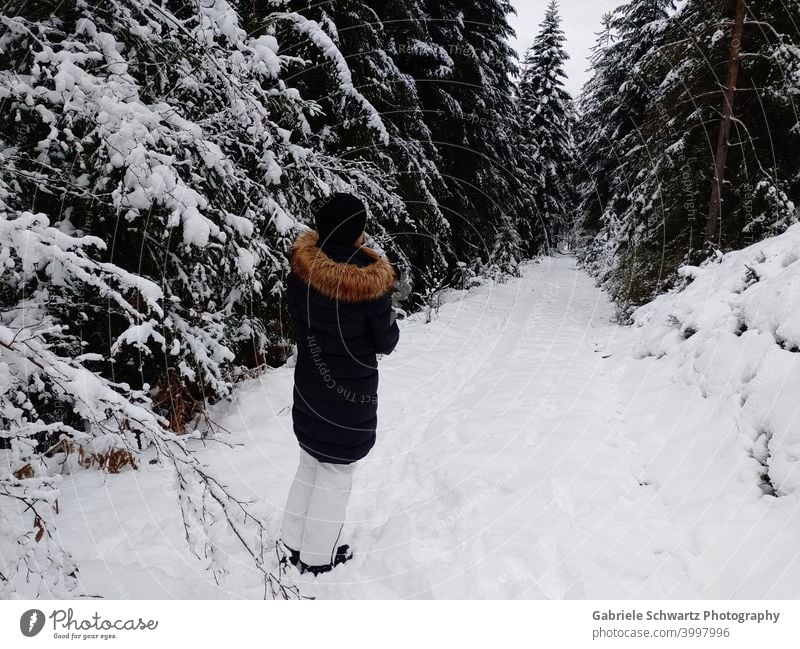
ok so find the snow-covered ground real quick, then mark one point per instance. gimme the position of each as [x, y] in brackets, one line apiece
[527, 448]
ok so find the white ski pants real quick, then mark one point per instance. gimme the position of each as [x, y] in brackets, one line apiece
[316, 509]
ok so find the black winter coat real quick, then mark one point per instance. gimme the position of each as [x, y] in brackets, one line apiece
[342, 317]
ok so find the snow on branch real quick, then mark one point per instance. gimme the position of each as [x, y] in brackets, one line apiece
[327, 47]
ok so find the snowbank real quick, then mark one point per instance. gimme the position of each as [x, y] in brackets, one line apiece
[735, 330]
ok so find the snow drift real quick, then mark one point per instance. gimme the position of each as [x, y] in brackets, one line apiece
[734, 328]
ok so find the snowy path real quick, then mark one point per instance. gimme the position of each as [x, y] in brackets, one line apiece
[517, 457]
[501, 461]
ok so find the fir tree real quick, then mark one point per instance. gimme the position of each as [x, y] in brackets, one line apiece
[654, 216]
[469, 104]
[612, 108]
[414, 229]
[548, 116]
[440, 75]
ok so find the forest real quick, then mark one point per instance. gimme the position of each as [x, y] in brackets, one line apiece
[158, 158]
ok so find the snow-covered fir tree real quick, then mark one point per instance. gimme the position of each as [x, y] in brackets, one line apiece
[547, 118]
[469, 103]
[612, 107]
[440, 74]
[655, 207]
[373, 40]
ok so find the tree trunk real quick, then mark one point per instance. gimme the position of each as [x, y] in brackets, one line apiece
[715, 204]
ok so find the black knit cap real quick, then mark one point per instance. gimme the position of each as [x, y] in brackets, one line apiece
[340, 219]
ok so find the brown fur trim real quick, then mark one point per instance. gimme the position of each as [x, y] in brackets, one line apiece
[340, 281]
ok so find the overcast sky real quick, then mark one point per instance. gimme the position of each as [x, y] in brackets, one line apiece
[581, 24]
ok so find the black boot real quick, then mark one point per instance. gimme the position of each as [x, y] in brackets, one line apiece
[343, 554]
[293, 556]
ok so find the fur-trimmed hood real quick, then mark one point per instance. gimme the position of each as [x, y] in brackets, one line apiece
[337, 280]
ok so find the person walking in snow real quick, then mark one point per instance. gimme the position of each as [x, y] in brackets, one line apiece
[339, 302]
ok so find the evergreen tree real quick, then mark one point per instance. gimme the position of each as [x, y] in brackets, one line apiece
[652, 198]
[440, 74]
[415, 230]
[548, 116]
[469, 104]
[612, 109]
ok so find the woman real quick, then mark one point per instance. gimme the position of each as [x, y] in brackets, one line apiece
[338, 293]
